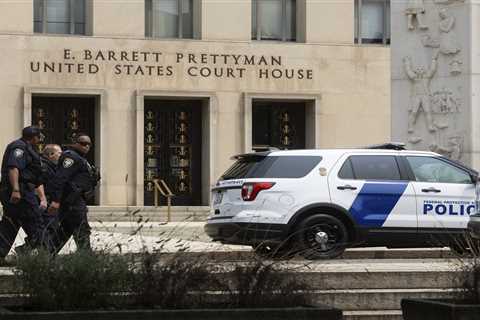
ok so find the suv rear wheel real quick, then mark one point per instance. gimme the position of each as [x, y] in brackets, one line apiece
[321, 236]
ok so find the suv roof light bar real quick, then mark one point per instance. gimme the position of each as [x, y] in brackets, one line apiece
[388, 146]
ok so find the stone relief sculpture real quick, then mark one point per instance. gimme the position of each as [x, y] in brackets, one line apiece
[448, 39]
[455, 67]
[452, 150]
[416, 10]
[444, 101]
[420, 96]
[430, 42]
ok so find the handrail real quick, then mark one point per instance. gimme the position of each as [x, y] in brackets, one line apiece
[165, 191]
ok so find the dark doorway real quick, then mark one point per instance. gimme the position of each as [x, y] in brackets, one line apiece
[173, 149]
[278, 124]
[62, 118]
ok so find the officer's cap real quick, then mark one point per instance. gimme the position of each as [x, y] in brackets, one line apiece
[30, 132]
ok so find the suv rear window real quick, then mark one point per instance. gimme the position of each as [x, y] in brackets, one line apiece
[271, 167]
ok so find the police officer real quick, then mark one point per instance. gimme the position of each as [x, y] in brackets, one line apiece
[74, 180]
[21, 169]
[50, 155]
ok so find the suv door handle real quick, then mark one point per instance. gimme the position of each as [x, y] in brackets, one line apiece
[432, 189]
[346, 187]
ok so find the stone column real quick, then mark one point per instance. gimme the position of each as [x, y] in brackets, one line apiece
[432, 75]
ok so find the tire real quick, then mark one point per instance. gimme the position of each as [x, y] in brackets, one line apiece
[309, 243]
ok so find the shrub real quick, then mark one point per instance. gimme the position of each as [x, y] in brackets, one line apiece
[81, 280]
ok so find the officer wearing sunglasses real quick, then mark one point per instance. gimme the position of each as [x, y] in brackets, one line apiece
[74, 180]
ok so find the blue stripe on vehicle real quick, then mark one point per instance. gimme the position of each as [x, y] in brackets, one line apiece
[375, 202]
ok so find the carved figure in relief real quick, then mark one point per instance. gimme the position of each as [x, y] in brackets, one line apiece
[448, 38]
[416, 10]
[455, 67]
[420, 96]
[444, 101]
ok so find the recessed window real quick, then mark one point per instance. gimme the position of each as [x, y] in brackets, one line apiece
[59, 16]
[372, 21]
[274, 20]
[169, 19]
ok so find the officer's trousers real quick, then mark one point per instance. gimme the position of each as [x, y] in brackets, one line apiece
[73, 222]
[25, 214]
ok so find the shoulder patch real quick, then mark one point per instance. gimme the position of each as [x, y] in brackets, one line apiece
[18, 153]
[68, 162]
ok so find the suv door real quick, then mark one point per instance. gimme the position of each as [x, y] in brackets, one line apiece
[375, 190]
[445, 193]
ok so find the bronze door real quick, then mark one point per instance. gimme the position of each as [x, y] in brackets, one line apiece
[172, 150]
[278, 124]
[62, 118]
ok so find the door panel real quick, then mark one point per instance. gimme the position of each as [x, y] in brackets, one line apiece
[172, 149]
[373, 203]
[62, 118]
[445, 193]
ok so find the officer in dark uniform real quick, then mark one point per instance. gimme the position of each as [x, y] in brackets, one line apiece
[21, 171]
[72, 184]
[50, 156]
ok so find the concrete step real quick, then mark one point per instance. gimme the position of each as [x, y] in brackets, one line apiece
[373, 315]
[133, 213]
[377, 299]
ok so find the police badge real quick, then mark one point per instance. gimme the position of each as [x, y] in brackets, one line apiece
[67, 162]
[18, 153]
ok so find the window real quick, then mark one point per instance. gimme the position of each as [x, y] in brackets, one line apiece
[59, 16]
[371, 168]
[169, 19]
[372, 21]
[427, 169]
[346, 172]
[274, 20]
[271, 167]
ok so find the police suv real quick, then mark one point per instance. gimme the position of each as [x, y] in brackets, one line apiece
[318, 202]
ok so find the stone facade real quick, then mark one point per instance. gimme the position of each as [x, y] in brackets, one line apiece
[345, 87]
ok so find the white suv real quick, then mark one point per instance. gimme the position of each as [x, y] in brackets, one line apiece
[321, 201]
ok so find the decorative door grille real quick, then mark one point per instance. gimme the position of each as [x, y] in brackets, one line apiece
[172, 149]
[278, 124]
[62, 118]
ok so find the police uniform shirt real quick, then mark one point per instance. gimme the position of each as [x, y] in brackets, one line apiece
[73, 168]
[19, 154]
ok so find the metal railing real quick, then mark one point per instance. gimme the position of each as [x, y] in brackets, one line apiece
[162, 188]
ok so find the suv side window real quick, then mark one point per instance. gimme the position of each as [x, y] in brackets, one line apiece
[429, 169]
[370, 167]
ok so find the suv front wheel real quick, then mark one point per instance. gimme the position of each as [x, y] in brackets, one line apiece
[321, 236]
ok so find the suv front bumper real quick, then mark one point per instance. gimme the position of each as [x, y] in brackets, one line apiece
[246, 233]
[474, 226]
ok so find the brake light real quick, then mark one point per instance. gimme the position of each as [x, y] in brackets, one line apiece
[250, 190]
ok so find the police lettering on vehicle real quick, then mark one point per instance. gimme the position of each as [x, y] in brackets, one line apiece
[450, 208]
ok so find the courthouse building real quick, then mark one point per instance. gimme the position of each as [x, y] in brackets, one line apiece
[171, 89]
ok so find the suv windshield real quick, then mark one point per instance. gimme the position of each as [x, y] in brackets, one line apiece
[252, 166]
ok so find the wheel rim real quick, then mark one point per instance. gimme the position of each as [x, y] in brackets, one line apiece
[324, 237]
